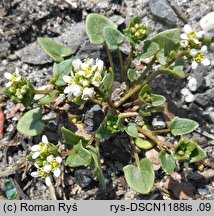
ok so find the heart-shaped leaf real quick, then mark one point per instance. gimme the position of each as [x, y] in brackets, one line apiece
[131, 130]
[10, 190]
[180, 126]
[95, 24]
[30, 123]
[113, 37]
[140, 179]
[167, 162]
[55, 50]
[82, 156]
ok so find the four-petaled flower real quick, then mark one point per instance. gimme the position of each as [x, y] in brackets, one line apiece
[40, 148]
[15, 77]
[189, 35]
[199, 56]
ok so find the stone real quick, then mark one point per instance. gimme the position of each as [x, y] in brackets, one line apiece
[207, 22]
[119, 20]
[188, 96]
[93, 118]
[163, 11]
[211, 115]
[192, 84]
[158, 123]
[84, 178]
[4, 49]
[206, 98]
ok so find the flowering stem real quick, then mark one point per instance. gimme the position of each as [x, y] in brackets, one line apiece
[152, 137]
[110, 58]
[136, 88]
[45, 91]
[129, 114]
[122, 72]
[128, 61]
[149, 66]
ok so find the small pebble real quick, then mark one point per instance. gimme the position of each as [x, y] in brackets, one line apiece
[158, 123]
[188, 96]
[207, 22]
[192, 84]
[211, 115]
[203, 191]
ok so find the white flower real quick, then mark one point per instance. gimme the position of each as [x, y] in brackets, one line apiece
[199, 57]
[40, 148]
[47, 168]
[96, 80]
[87, 93]
[48, 181]
[57, 172]
[76, 64]
[184, 43]
[15, 77]
[99, 64]
[189, 34]
[74, 90]
[59, 159]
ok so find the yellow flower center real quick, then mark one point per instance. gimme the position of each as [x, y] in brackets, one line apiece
[199, 56]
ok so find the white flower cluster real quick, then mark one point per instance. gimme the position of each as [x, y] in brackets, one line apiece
[45, 162]
[192, 41]
[83, 76]
[15, 77]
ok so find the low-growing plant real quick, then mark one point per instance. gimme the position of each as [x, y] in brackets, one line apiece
[81, 80]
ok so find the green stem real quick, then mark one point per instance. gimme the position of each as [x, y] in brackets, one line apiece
[136, 156]
[129, 59]
[149, 66]
[153, 137]
[136, 88]
[97, 146]
[161, 131]
[110, 58]
[122, 71]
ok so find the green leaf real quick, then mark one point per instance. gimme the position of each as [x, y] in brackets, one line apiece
[140, 179]
[82, 156]
[96, 167]
[107, 83]
[197, 154]
[157, 100]
[10, 190]
[131, 130]
[30, 123]
[176, 69]
[48, 98]
[55, 50]
[144, 143]
[107, 128]
[167, 41]
[113, 37]
[149, 49]
[181, 126]
[184, 149]
[167, 162]
[71, 138]
[95, 24]
[132, 75]
[60, 70]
